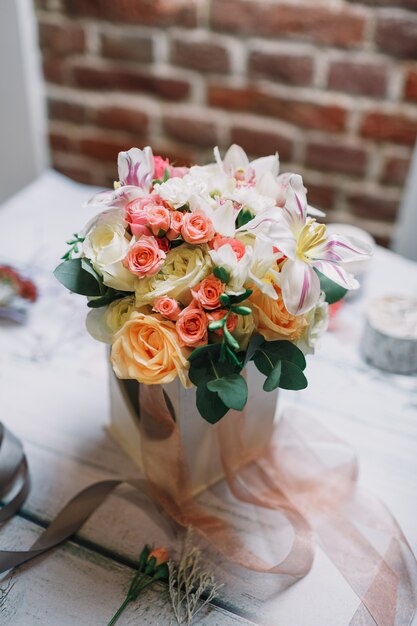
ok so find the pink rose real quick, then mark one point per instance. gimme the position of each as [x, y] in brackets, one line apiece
[197, 228]
[238, 246]
[144, 257]
[178, 172]
[191, 327]
[158, 219]
[160, 165]
[231, 322]
[135, 214]
[175, 225]
[168, 307]
[208, 291]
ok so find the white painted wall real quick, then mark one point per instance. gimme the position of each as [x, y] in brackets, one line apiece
[405, 239]
[23, 146]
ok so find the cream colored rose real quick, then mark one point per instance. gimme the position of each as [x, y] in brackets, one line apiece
[184, 267]
[272, 319]
[318, 322]
[104, 322]
[147, 349]
[106, 245]
[245, 327]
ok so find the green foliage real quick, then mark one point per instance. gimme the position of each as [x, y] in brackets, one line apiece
[282, 363]
[231, 389]
[77, 279]
[244, 216]
[222, 274]
[73, 246]
[333, 292]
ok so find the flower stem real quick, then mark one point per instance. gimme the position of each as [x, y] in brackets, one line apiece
[119, 611]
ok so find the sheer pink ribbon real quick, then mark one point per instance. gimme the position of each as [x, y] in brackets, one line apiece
[295, 476]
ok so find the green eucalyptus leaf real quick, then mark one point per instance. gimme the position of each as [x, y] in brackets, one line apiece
[243, 296]
[230, 339]
[244, 216]
[224, 299]
[284, 351]
[231, 389]
[242, 310]
[209, 405]
[292, 377]
[211, 349]
[109, 296]
[216, 325]
[222, 274]
[332, 291]
[273, 379]
[74, 277]
[254, 343]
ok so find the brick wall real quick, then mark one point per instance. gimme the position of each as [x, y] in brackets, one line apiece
[330, 84]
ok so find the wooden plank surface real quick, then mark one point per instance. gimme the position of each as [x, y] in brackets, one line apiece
[75, 586]
[53, 391]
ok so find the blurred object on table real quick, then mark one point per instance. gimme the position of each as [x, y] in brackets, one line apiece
[16, 294]
[390, 338]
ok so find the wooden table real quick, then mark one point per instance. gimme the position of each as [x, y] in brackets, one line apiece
[53, 394]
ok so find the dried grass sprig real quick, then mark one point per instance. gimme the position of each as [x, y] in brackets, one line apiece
[191, 587]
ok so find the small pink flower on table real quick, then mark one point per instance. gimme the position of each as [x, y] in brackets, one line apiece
[208, 291]
[191, 326]
[144, 257]
[168, 307]
[197, 227]
[160, 555]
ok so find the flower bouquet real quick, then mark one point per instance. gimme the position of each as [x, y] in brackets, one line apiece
[203, 274]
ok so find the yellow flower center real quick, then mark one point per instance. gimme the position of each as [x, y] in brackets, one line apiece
[311, 236]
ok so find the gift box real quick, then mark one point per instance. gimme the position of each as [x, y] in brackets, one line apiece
[199, 437]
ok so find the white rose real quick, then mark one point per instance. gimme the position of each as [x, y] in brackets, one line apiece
[106, 246]
[318, 322]
[104, 322]
[184, 267]
[179, 191]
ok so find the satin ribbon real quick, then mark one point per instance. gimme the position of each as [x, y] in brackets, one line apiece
[296, 478]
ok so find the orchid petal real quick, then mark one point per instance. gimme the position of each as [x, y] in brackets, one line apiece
[295, 207]
[117, 198]
[337, 274]
[136, 167]
[342, 250]
[268, 185]
[223, 219]
[300, 286]
[266, 164]
[311, 210]
[235, 159]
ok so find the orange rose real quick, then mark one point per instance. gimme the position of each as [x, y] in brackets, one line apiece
[208, 292]
[197, 228]
[144, 258]
[191, 326]
[147, 349]
[272, 319]
[160, 555]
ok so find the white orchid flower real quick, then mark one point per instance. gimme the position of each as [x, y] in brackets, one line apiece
[307, 246]
[222, 215]
[237, 269]
[237, 165]
[261, 272]
[136, 172]
[136, 167]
